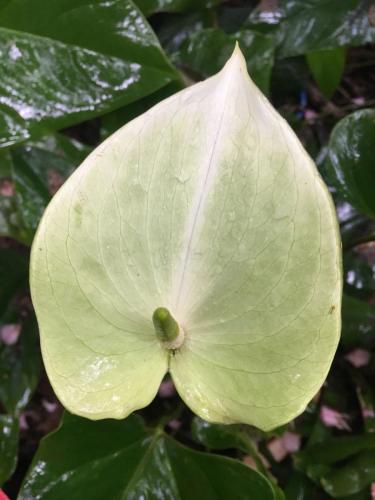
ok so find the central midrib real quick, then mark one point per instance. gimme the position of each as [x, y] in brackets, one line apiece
[201, 197]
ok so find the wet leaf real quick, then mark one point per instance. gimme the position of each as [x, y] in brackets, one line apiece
[358, 323]
[327, 67]
[206, 205]
[336, 449]
[20, 361]
[207, 50]
[55, 74]
[359, 275]
[20, 367]
[9, 217]
[38, 171]
[299, 487]
[351, 477]
[351, 162]
[12, 282]
[35, 172]
[121, 459]
[149, 7]
[301, 26]
[355, 228]
[8, 446]
[221, 437]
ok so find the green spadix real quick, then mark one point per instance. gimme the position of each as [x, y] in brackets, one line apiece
[166, 328]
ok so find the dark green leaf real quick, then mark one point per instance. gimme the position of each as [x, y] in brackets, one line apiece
[300, 488]
[231, 17]
[36, 170]
[175, 29]
[366, 398]
[336, 449]
[121, 459]
[11, 282]
[149, 7]
[358, 325]
[8, 446]
[283, 88]
[319, 24]
[352, 477]
[37, 174]
[10, 224]
[19, 361]
[355, 228]
[351, 159]
[55, 73]
[221, 437]
[327, 67]
[207, 51]
[301, 26]
[20, 367]
[359, 275]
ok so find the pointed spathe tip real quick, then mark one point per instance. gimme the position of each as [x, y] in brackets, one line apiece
[236, 59]
[237, 53]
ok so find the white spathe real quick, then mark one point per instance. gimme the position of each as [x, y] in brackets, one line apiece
[207, 205]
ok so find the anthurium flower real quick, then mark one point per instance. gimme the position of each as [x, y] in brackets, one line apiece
[198, 239]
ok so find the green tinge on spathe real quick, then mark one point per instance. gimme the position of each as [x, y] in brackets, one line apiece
[209, 205]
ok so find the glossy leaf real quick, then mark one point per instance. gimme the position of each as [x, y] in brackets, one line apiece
[354, 227]
[34, 172]
[352, 477]
[10, 224]
[301, 26]
[207, 50]
[8, 446]
[222, 437]
[177, 28]
[20, 362]
[358, 323]
[300, 488]
[38, 170]
[366, 399]
[149, 7]
[359, 275]
[11, 282]
[20, 367]
[207, 205]
[336, 449]
[54, 73]
[351, 161]
[109, 459]
[327, 67]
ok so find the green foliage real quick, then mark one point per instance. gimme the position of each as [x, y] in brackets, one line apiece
[56, 74]
[351, 159]
[72, 72]
[327, 67]
[8, 446]
[85, 460]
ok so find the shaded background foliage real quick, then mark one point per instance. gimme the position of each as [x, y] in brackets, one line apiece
[71, 73]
